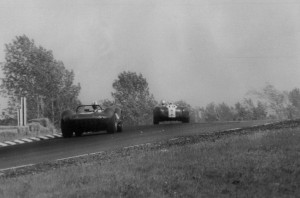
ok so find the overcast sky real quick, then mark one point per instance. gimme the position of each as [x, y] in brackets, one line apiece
[199, 51]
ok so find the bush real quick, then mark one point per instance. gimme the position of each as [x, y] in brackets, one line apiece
[23, 130]
[41, 125]
[35, 127]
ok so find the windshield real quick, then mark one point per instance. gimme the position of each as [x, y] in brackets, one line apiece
[88, 108]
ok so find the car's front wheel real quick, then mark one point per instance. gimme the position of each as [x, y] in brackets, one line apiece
[65, 130]
[186, 120]
[78, 133]
[112, 125]
[155, 120]
[156, 115]
[120, 127]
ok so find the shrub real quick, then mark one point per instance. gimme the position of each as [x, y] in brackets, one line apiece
[41, 126]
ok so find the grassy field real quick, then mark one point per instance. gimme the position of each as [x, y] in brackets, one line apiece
[263, 164]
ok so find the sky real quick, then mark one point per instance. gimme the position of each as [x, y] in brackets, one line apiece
[199, 51]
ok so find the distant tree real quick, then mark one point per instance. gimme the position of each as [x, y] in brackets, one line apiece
[249, 107]
[260, 111]
[278, 102]
[294, 97]
[225, 112]
[241, 112]
[32, 72]
[133, 95]
[294, 107]
[247, 110]
[209, 113]
[197, 113]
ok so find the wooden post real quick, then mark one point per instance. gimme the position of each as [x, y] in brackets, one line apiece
[22, 113]
[52, 107]
[19, 116]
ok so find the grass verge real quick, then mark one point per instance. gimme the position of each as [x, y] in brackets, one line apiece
[34, 129]
[261, 164]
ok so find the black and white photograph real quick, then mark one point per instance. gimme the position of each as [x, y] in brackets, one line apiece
[149, 98]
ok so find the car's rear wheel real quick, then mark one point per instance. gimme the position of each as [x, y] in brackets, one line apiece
[120, 127]
[112, 125]
[78, 133]
[65, 130]
[156, 115]
[186, 120]
[155, 120]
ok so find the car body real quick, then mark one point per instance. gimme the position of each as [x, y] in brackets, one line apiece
[91, 118]
[170, 112]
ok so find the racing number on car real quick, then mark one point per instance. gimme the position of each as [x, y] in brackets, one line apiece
[172, 111]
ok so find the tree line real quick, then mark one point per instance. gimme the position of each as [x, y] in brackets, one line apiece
[31, 71]
[268, 103]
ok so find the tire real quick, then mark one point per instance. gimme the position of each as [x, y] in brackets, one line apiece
[156, 115]
[186, 120]
[78, 133]
[155, 121]
[120, 127]
[65, 130]
[112, 125]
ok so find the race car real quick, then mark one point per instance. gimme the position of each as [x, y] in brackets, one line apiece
[170, 112]
[90, 118]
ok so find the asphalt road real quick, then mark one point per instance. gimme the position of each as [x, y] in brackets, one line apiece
[53, 149]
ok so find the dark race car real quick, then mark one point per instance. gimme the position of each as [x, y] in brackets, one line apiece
[170, 112]
[91, 118]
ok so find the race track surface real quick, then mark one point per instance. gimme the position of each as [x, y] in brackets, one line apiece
[54, 149]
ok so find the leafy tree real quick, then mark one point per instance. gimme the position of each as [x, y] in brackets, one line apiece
[32, 72]
[249, 108]
[133, 95]
[294, 97]
[241, 112]
[248, 111]
[278, 102]
[209, 113]
[225, 112]
[260, 111]
[294, 107]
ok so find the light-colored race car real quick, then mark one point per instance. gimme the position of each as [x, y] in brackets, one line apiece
[170, 112]
[91, 118]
